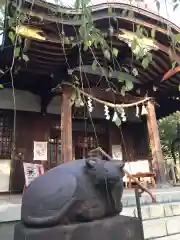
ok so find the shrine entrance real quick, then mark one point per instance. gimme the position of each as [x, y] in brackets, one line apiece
[83, 140]
[87, 136]
[83, 144]
[54, 143]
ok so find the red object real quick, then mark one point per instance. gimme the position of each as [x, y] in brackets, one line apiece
[39, 171]
[170, 73]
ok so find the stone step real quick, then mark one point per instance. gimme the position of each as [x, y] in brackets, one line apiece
[164, 195]
[171, 237]
[159, 220]
[154, 211]
[156, 228]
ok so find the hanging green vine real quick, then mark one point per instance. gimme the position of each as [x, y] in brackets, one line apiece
[140, 41]
[92, 36]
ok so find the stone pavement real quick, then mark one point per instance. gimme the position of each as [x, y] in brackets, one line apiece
[7, 231]
[163, 195]
[10, 208]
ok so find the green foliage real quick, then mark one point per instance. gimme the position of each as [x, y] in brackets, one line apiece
[176, 4]
[146, 60]
[81, 3]
[139, 48]
[12, 36]
[168, 128]
[92, 38]
[115, 52]
[17, 51]
[118, 122]
[168, 132]
[158, 5]
[178, 38]
[76, 99]
[94, 65]
[2, 11]
[127, 81]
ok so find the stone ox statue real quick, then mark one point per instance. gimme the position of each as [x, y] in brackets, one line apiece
[78, 191]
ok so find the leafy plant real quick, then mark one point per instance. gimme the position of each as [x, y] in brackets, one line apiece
[176, 4]
[76, 99]
[168, 132]
[127, 80]
[2, 11]
[140, 41]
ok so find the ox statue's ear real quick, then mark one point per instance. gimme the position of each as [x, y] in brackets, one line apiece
[91, 162]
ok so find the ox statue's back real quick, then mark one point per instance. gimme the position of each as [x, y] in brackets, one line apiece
[78, 191]
[76, 200]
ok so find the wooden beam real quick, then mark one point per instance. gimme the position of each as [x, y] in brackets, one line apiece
[66, 125]
[158, 161]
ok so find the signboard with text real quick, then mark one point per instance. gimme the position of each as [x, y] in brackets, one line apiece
[32, 171]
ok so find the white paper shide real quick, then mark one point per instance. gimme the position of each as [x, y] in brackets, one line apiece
[40, 151]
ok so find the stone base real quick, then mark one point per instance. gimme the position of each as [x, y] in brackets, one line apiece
[115, 228]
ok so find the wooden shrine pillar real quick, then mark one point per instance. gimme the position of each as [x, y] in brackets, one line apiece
[153, 131]
[66, 125]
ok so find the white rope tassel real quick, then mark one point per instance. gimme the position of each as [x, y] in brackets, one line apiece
[123, 115]
[115, 117]
[89, 103]
[137, 111]
[144, 110]
[106, 112]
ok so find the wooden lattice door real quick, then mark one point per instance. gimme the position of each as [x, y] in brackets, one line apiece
[6, 139]
[6, 130]
[54, 152]
[83, 144]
